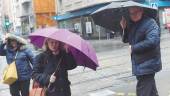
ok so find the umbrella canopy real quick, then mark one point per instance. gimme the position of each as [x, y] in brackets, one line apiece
[82, 51]
[110, 15]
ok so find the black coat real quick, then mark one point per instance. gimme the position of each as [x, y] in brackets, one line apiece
[45, 66]
[144, 38]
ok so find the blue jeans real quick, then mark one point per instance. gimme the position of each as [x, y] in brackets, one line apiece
[20, 88]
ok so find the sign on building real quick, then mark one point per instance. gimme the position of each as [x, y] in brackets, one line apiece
[167, 17]
[88, 27]
[139, 0]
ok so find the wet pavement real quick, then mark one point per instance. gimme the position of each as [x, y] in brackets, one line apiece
[113, 77]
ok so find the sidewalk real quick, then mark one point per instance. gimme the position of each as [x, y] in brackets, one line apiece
[116, 43]
[108, 51]
[110, 44]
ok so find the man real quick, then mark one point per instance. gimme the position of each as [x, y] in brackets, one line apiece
[143, 35]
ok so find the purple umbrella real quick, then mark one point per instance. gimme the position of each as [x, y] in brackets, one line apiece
[82, 51]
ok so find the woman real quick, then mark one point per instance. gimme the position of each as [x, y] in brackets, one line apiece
[16, 46]
[51, 68]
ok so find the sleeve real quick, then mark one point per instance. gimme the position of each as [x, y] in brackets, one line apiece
[70, 61]
[38, 71]
[151, 41]
[30, 56]
[2, 49]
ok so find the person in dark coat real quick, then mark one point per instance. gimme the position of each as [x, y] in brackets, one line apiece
[16, 46]
[143, 35]
[46, 64]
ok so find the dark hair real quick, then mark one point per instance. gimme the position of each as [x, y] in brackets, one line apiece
[10, 46]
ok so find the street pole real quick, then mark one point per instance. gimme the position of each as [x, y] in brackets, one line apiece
[99, 34]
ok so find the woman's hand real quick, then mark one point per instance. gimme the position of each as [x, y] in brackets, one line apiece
[52, 78]
[4, 39]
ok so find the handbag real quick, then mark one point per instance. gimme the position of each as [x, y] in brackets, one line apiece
[38, 91]
[10, 73]
[43, 91]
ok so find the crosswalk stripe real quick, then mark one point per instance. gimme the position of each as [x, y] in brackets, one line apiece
[111, 93]
[102, 93]
[120, 94]
[131, 94]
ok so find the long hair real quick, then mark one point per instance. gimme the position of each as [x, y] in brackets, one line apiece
[46, 48]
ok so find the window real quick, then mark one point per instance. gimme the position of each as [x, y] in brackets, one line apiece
[60, 1]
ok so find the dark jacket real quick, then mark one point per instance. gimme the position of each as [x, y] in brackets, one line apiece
[24, 59]
[144, 38]
[46, 64]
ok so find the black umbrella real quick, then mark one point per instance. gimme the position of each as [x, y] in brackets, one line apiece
[110, 15]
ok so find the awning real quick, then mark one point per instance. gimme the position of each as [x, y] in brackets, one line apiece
[164, 3]
[81, 12]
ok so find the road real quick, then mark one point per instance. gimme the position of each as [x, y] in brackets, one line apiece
[113, 77]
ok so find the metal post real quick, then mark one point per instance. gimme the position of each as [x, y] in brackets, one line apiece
[99, 34]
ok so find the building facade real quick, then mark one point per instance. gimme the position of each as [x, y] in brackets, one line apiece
[164, 13]
[27, 19]
[7, 13]
[27, 15]
[19, 14]
[1, 18]
[44, 11]
[24, 17]
[71, 5]
[75, 15]
[163, 10]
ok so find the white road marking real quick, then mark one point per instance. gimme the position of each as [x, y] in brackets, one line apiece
[102, 93]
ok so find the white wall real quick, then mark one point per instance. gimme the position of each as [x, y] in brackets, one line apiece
[1, 18]
[70, 5]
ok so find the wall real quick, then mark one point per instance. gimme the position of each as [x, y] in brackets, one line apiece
[70, 5]
[44, 6]
[44, 10]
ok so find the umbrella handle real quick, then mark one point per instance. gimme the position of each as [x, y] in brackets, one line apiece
[123, 32]
[49, 85]
[84, 68]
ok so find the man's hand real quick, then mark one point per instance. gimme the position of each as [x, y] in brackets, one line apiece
[123, 23]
